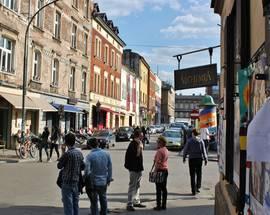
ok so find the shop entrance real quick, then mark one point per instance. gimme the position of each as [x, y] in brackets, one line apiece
[4, 125]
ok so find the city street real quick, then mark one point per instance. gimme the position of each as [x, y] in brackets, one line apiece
[29, 188]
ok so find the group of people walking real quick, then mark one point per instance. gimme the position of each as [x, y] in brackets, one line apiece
[97, 167]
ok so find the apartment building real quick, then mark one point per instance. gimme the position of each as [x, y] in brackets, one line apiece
[58, 65]
[105, 77]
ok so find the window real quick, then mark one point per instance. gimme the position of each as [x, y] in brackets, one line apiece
[97, 83]
[75, 3]
[98, 47]
[112, 58]
[85, 41]
[57, 25]
[106, 86]
[11, 4]
[112, 88]
[86, 8]
[72, 79]
[74, 36]
[6, 55]
[55, 72]
[37, 65]
[117, 66]
[106, 54]
[84, 79]
[39, 19]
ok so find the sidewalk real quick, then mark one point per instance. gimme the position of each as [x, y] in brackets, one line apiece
[9, 156]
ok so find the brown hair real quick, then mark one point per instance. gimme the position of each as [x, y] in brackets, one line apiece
[195, 132]
[162, 140]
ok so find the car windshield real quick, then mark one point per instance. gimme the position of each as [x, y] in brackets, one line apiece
[172, 134]
[123, 129]
[101, 134]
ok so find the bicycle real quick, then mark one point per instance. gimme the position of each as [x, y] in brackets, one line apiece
[26, 149]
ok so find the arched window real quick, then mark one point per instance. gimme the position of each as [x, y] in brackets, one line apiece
[55, 72]
[37, 65]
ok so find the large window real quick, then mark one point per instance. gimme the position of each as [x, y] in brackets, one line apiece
[11, 4]
[85, 41]
[97, 82]
[74, 36]
[6, 55]
[113, 58]
[98, 47]
[72, 79]
[117, 66]
[39, 18]
[86, 8]
[112, 88]
[105, 86]
[106, 54]
[55, 72]
[37, 65]
[57, 25]
[84, 80]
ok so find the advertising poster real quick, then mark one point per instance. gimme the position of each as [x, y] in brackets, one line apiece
[222, 145]
[208, 115]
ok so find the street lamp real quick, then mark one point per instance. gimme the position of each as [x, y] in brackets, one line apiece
[98, 112]
[25, 65]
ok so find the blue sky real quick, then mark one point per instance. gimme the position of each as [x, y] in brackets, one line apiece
[159, 29]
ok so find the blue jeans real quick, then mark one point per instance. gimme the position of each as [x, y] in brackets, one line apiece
[95, 193]
[70, 199]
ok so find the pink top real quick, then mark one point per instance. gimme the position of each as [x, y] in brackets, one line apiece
[161, 159]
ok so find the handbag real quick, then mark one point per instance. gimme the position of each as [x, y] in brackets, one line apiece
[156, 177]
[59, 180]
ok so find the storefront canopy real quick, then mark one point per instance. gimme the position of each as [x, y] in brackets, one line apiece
[68, 108]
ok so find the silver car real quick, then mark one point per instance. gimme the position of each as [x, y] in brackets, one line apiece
[174, 138]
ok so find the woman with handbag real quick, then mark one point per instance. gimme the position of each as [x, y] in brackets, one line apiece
[161, 170]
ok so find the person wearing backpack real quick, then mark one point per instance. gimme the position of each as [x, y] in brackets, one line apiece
[196, 151]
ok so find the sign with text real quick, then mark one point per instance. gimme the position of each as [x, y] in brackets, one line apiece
[201, 76]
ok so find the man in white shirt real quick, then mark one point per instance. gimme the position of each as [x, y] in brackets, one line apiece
[205, 136]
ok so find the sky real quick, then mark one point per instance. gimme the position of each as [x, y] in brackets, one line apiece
[160, 29]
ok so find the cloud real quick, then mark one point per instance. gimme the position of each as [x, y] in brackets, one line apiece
[120, 8]
[196, 21]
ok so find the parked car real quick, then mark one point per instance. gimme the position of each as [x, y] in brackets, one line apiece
[152, 129]
[160, 128]
[178, 125]
[105, 138]
[123, 134]
[174, 139]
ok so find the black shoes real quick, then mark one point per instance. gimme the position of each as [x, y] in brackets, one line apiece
[139, 205]
[158, 208]
[130, 208]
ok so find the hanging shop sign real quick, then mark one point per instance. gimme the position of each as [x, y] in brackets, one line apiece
[195, 77]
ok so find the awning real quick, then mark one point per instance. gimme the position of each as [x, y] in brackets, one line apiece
[43, 104]
[68, 108]
[106, 109]
[16, 101]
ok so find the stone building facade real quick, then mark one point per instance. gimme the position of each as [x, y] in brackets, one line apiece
[167, 103]
[58, 65]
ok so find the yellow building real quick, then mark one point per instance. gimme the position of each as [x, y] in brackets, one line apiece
[144, 70]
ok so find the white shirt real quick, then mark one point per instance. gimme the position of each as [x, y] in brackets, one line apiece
[205, 134]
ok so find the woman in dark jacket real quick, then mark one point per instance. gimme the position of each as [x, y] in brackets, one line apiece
[55, 142]
[44, 144]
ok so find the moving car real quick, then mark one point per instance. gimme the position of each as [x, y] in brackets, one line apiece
[160, 128]
[105, 138]
[174, 139]
[152, 129]
[123, 134]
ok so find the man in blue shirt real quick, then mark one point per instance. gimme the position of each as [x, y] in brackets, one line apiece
[98, 175]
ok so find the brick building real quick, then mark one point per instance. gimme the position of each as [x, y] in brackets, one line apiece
[151, 102]
[105, 78]
[58, 65]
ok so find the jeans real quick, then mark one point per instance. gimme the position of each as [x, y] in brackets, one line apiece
[134, 188]
[45, 146]
[195, 170]
[70, 199]
[95, 193]
[54, 145]
[161, 188]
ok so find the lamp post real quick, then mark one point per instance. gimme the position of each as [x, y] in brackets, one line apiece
[98, 112]
[25, 64]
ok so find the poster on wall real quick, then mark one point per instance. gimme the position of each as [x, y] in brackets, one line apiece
[222, 145]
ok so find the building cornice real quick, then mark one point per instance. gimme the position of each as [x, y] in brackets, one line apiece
[217, 5]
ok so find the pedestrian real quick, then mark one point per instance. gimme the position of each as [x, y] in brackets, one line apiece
[44, 143]
[98, 175]
[205, 136]
[55, 139]
[134, 163]
[71, 164]
[161, 166]
[196, 151]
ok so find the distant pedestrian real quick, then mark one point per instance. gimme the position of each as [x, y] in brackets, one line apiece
[196, 151]
[205, 136]
[98, 175]
[44, 144]
[134, 163]
[71, 164]
[55, 140]
[161, 166]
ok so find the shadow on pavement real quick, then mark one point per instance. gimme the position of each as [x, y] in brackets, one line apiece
[43, 210]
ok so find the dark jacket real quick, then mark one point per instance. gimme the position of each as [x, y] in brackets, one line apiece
[55, 135]
[132, 161]
[195, 149]
[44, 137]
